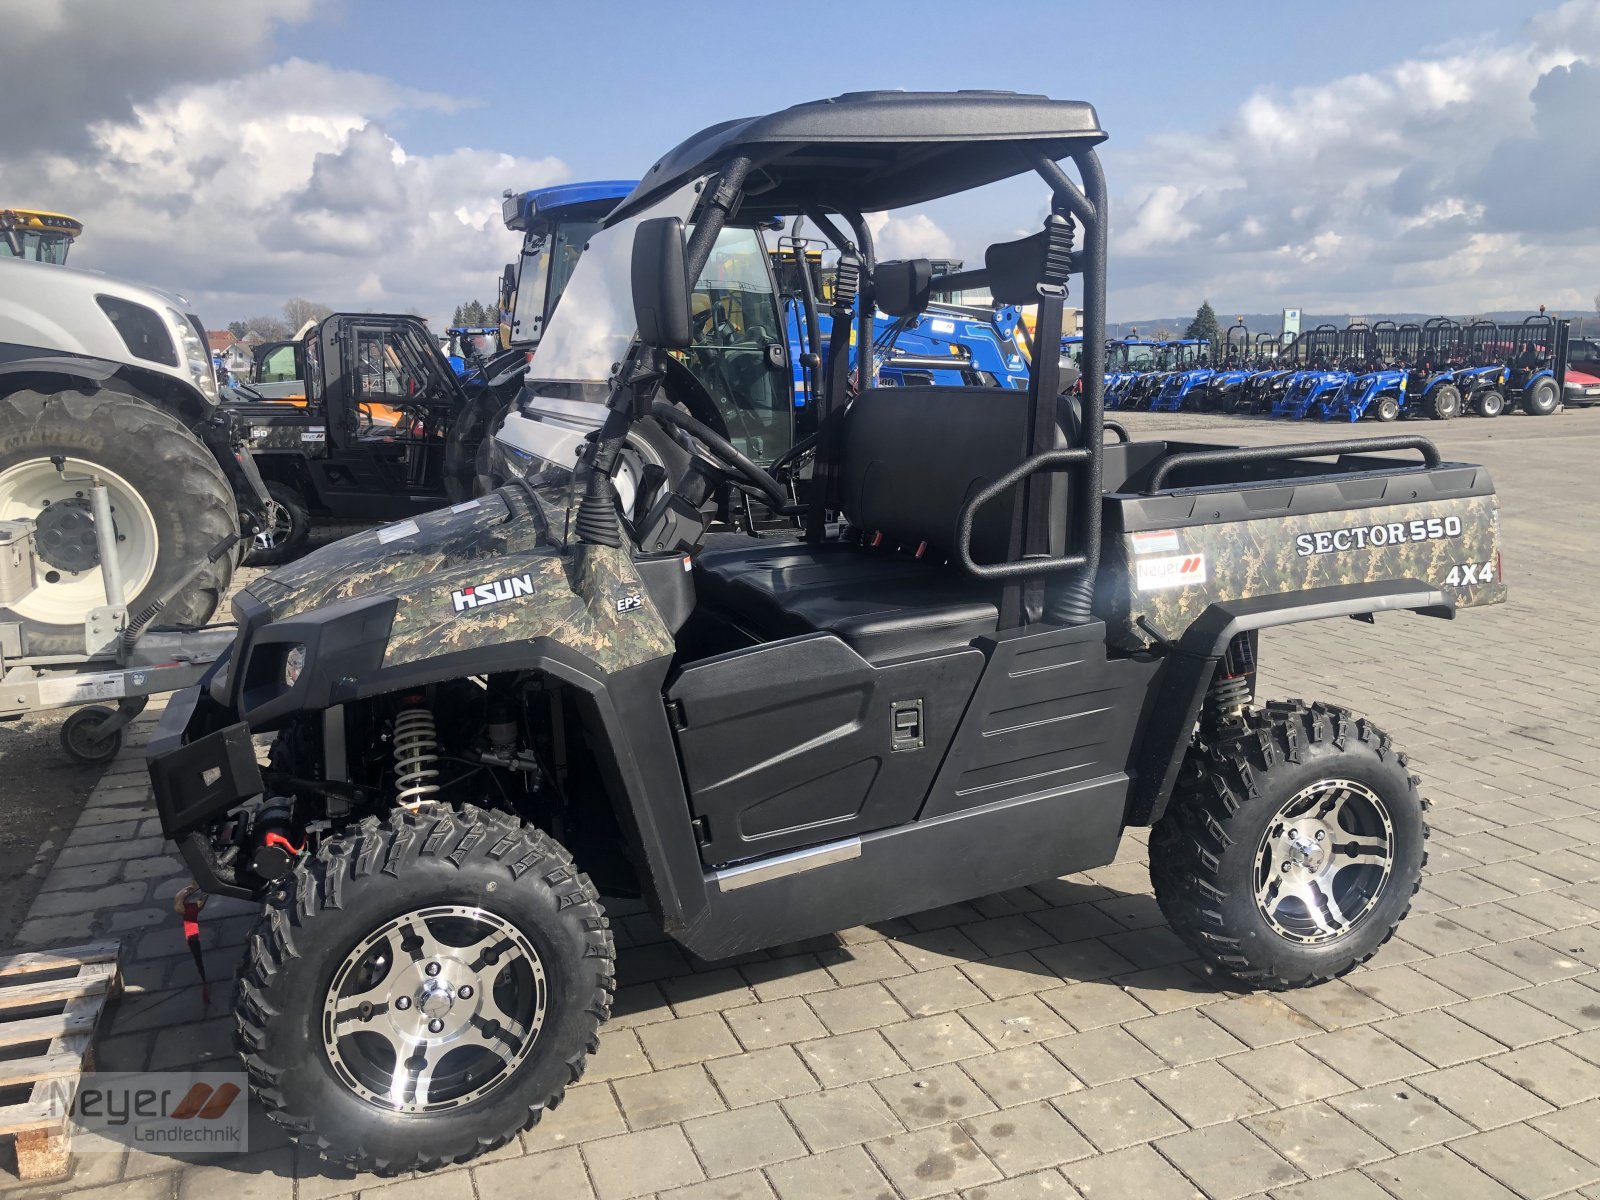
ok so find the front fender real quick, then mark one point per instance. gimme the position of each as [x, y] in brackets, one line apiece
[1187, 675]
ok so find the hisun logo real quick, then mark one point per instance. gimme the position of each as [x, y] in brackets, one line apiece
[492, 593]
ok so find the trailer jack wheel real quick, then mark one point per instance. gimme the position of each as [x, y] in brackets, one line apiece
[83, 736]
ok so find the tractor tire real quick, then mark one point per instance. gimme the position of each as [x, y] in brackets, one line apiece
[1489, 403]
[1386, 409]
[1246, 861]
[1541, 399]
[170, 501]
[1444, 402]
[459, 945]
[291, 533]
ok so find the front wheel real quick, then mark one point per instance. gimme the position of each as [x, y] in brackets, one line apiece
[1387, 409]
[1490, 403]
[423, 988]
[1292, 846]
[290, 529]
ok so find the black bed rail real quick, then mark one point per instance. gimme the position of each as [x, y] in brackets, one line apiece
[1236, 455]
[1049, 461]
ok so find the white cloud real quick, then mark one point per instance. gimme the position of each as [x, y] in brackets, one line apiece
[909, 235]
[1458, 181]
[284, 182]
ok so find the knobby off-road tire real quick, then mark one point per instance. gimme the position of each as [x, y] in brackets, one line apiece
[1444, 402]
[175, 505]
[296, 1013]
[1541, 399]
[1218, 847]
[293, 531]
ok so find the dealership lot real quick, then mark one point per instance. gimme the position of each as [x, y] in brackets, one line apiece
[1059, 1037]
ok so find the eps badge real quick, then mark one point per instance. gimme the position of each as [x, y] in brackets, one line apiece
[630, 602]
[1467, 574]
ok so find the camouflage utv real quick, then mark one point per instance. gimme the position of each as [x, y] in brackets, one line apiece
[1018, 643]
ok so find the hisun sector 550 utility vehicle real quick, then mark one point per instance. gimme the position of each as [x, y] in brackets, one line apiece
[1023, 643]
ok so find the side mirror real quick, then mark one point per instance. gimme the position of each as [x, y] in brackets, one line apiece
[660, 284]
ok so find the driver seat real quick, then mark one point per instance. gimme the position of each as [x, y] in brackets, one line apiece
[910, 459]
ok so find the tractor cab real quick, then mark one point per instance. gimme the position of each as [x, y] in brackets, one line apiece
[36, 235]
[555, 223]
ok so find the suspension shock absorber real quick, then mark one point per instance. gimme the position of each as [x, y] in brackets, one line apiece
[1233, 686]
[416, 749]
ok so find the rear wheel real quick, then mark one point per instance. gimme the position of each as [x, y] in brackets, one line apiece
[1444, 402]
[1292, 846]
[50, 447]
[1490, 403]
[1386, 409]
[1542, 398]
[423, 988]
[291, 529]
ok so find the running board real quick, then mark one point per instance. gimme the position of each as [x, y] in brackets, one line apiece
[909, 869]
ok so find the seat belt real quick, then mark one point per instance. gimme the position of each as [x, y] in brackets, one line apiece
[824, 470]
[1022, 601]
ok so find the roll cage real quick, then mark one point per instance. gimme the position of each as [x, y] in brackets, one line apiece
[833, 161]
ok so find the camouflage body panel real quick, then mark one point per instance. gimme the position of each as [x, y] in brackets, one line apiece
[480, 574]
[285, 423]
[1453, 545]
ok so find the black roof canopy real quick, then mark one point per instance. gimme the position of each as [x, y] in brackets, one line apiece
[872, 151]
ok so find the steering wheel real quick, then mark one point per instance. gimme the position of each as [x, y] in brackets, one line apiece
[725, 456]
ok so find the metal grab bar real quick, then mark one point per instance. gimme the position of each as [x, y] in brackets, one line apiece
[1234, 455]
[1118, 428]
[1028, 566]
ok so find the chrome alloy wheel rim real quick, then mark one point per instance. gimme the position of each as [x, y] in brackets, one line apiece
[275, 528]
[1324, 861]
[434, 1009]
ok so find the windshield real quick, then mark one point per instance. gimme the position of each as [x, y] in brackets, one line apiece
[593, 325]
[736, 321]
[39, 247]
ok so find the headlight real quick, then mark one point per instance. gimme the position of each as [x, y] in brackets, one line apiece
[193, 350]
[293, 663]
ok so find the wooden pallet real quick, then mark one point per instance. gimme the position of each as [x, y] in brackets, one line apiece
[51, 1002]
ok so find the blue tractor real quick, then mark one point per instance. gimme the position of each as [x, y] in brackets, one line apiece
[1186, 380]
[1225, 390]
[1315, 379]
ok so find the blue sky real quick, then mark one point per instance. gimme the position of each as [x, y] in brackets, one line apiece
[1428, 155]
[608, 85]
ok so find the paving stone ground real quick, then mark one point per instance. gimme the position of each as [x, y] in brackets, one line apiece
[1057, 1040]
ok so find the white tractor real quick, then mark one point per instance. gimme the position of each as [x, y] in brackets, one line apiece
[109, 384]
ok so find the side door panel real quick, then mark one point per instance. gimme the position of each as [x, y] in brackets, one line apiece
[796, 742]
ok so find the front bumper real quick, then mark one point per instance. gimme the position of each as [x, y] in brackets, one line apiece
[200, 770]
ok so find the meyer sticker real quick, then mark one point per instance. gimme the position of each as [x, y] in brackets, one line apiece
[480, 594]
[1156, 541]
[1179, 570]
[1390, 533]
